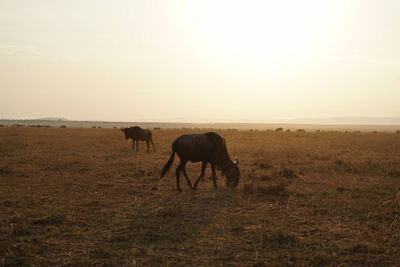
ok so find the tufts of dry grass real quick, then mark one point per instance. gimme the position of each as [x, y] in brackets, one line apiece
[279, 239]
[258, 189]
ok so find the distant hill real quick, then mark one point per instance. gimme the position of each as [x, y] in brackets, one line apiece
[350, 121]
[51, 119]
[318, 121]
[328, 124]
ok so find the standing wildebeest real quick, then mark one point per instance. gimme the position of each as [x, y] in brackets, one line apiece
[207, 148]
[138, 134]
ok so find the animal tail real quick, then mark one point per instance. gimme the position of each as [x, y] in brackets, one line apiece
[169, 162]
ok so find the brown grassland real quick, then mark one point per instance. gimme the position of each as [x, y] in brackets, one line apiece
[80, 196]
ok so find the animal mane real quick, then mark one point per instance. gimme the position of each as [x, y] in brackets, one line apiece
[135, 128]
[220, 146]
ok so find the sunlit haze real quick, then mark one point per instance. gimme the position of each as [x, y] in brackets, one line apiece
[239, 61]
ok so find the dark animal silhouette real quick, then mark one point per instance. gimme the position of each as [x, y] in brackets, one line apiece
[138, 134]
[207, 148]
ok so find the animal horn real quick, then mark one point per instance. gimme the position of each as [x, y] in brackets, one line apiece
[237, 161]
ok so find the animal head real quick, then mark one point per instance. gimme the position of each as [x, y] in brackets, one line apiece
[232, 175]
[125, 130]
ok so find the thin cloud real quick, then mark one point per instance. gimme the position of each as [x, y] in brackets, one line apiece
[15, 50]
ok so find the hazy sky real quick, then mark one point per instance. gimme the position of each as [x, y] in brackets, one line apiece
[219, 60]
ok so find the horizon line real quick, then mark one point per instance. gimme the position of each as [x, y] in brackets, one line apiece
[351, 120]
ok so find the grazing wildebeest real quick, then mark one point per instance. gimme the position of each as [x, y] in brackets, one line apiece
[138, 134]
[207, 148]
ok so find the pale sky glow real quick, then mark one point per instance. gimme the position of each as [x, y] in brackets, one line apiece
[211, 60]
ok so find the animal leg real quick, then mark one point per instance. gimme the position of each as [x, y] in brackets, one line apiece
[178, 180]
[186, 176]
[137, 145]
[203, 170]
[214, 175]
[148, 146]
[133, 144]
[153, 145]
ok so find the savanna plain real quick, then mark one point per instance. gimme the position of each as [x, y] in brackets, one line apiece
[81, 196]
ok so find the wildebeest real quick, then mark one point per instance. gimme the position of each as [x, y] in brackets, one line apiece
[138, 134]
[207, 148]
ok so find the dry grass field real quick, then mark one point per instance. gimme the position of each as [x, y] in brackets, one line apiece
[76, 196]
